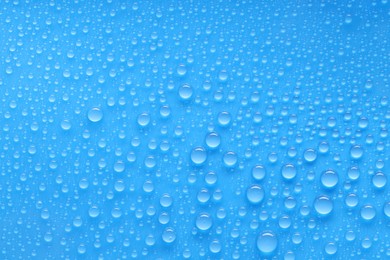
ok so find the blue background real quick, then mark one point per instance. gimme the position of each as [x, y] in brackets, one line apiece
[271, 80]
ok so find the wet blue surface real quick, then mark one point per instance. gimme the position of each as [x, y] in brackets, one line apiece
[201, 130]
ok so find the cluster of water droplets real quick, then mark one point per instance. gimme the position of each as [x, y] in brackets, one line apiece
[221, 130]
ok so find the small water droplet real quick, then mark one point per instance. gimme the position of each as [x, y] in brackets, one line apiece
[289, 171]
[204, 222]
[323, 205]
[213, 140]
[185, 92]
[310, 155]
[258, 172]
[230, 159]
[95, 114]
[169, 235]
[356, 152]
[368, 212]
[198, 155]
[267, 242]
[255, 194]
[329, 179]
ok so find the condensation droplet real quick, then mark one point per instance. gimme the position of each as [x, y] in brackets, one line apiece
[323, 205]
[255, 194]
[267, 242]
[95, 114]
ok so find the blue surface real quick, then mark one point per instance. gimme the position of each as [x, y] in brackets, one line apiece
[194, 129]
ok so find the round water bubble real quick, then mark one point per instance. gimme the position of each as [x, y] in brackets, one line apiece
[94, 212]
[323, 205]
[198, 155]
[211, 178]
[66, 125]
[169, 235]
[255, 194]
[323, 147]
[95, 114]
[352, 200]
[213, 140]
[215, 246]
[143, 119]
[230, 159]
[204, 221]
[310, 155]
[386, 209]
[223, 75]
[353, 173]
[289, 171]
[331, 248]
[224, 118]
[166, 200]
[329, 179]
[379, 180]
[185, 92]
[356, 152]
[258, 172]
[267, 242]
[181, 70]
[368, 212]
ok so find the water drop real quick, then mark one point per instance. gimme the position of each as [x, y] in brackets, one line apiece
[224, 118]
[230, 159]
[386, 209]
[367, 212]
[353, 173]
[215, 246]
[204, 222]
[289, 171]
[185, 92]
[213, 140]
[258, 172]
[323, 205]
[95, 114]
[198, 155]
[379, 180]
[255, 194]
[166, 200]
[356, 152]
[310, 155]
[94, 212]
[169, 235]
[143, 119]
[331, 248]
[267, 242]
[329, 179]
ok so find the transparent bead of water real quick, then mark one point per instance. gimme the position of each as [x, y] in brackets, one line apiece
[198, 155]
[267, 242]
[95, 114]
[255, 194]
[204, 221]
[323, 205]
[289, 171]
